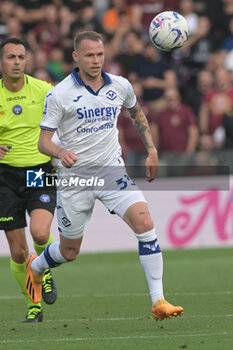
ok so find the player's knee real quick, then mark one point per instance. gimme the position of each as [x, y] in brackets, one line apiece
[144, 224]
[40, 237]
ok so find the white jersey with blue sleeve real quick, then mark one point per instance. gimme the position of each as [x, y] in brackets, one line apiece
[86, 121]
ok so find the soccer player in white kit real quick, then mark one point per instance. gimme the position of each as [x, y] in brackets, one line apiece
[83, 110]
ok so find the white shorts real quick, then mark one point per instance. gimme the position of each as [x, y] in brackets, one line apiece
[75, 206]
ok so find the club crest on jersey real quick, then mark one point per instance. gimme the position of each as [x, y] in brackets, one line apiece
[111, 95]
[17, 109]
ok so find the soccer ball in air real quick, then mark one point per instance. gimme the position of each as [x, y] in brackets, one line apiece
[168, 31]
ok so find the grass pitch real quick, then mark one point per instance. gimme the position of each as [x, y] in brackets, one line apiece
[103, 303]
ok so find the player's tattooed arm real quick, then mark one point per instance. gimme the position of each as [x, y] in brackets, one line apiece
[142, 126]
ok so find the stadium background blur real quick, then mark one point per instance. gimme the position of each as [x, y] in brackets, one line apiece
[197, 70]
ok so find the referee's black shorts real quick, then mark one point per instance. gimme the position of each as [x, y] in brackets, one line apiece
[16, 197]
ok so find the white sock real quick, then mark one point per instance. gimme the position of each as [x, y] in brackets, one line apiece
[152, 262]
[51, 257]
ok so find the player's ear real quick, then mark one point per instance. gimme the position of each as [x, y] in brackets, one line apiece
[75, 56]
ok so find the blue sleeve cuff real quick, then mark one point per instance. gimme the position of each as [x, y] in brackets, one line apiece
[47, 128]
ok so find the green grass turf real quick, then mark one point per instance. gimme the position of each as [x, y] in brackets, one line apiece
[103, 303]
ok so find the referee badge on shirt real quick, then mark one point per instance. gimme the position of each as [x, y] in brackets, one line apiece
[17, 109]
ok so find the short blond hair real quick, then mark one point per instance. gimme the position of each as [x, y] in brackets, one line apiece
[91, 35]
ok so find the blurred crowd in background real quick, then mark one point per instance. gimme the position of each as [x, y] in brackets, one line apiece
[187, 95]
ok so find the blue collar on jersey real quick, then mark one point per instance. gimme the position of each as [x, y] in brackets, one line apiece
[79, 81]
